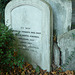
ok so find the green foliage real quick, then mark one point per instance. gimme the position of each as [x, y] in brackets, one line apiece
[3, 3]
[37, 69]
[8, 55]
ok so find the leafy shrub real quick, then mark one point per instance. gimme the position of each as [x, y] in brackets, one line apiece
[8, 55]
[3, 3]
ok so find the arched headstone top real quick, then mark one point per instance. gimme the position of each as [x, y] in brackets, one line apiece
[40, 4]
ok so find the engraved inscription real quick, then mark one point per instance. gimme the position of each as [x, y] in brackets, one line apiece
[28, 39]
[27, 26]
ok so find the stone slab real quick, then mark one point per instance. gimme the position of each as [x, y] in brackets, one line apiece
[62, 14]
[33, 19]
[67, 46]
[56, 55]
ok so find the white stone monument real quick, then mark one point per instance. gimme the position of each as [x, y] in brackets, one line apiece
[62, 14]
[67, 46]
[33, 19]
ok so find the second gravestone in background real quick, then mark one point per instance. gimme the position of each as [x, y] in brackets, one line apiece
[62, 14]
[33, 19]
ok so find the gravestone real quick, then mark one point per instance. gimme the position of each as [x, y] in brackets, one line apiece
[62, 13]
[33, 19]
[67, 46]
[56, 55]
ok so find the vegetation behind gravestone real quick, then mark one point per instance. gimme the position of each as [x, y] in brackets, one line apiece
[9, 56]
[3, 3]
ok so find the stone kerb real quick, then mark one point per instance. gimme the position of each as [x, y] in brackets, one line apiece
[33, 18]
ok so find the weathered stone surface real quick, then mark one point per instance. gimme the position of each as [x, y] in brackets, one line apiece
[56, 55]
[33, 19]
[62, 12]
[67, 46]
